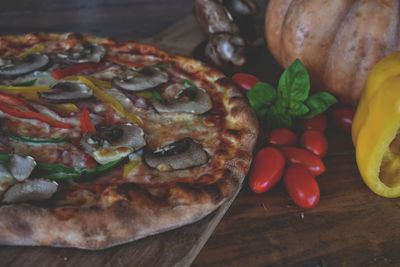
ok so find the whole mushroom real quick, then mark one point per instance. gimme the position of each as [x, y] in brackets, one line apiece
[227, 23]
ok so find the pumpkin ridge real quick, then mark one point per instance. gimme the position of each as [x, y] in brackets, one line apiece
[339, 26]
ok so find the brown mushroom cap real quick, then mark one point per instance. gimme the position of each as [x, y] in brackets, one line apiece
[84, 54]
[25, 65]
[182, 154]
[141, 79]
[66, 91]
[179, 98]
[225, 49]
[127, 135]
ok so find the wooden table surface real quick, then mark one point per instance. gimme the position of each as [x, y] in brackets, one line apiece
[350, 227]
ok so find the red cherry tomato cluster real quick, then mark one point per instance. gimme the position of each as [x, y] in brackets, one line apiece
[297, 160]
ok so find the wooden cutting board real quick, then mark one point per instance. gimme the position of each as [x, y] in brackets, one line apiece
[174, 248]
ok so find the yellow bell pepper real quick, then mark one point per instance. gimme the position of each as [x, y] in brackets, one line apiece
[376, 128]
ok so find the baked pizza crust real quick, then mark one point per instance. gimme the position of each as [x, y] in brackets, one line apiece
[129, 212]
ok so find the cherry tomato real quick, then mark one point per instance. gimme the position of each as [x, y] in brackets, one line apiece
[301, 186]
[317, 123]
[266, 170]
[315, 141]
[343, 117]
[304, 157]
[282, 136]
[244, 80]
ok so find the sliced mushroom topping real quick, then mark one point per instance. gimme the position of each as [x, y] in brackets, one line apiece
[85, 53]
[179, 98]
[25, 65]
[141, 79]
[65, 92]
[21, 167]
[6, 179]
[181, 154]
[30, 190]
[121, 97]
[112, 143]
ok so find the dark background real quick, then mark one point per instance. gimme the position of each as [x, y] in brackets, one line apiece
[122, 19]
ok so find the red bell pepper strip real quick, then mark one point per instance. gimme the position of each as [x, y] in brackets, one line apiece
[16, 112]
[76, 69]
[86, 123]
[13, 100]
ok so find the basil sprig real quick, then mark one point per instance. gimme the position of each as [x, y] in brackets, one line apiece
[292, 100]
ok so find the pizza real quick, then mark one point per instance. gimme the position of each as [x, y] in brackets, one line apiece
[105, 142]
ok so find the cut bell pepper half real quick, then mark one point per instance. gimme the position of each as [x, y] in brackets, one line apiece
[376, 128]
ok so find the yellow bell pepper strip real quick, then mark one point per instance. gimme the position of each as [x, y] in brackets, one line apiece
[103, 96]
[23, 89]
[38, 48]
[376, 128]
[31, 93]
[101, 83]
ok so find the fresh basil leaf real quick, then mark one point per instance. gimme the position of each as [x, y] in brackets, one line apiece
[261, 113]
[319, 103]
[294, 83]
[298, 109]
[276, 119]
[260, 97]
[281, 105]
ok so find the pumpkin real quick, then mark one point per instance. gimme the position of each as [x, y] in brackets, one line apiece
[338, 40]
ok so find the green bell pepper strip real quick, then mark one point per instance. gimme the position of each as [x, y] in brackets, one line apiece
[4, 157]
[34, 140]
[62, 172]
[25, 83]
[56, 171]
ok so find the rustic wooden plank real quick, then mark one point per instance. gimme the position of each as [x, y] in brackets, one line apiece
[351, 226]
